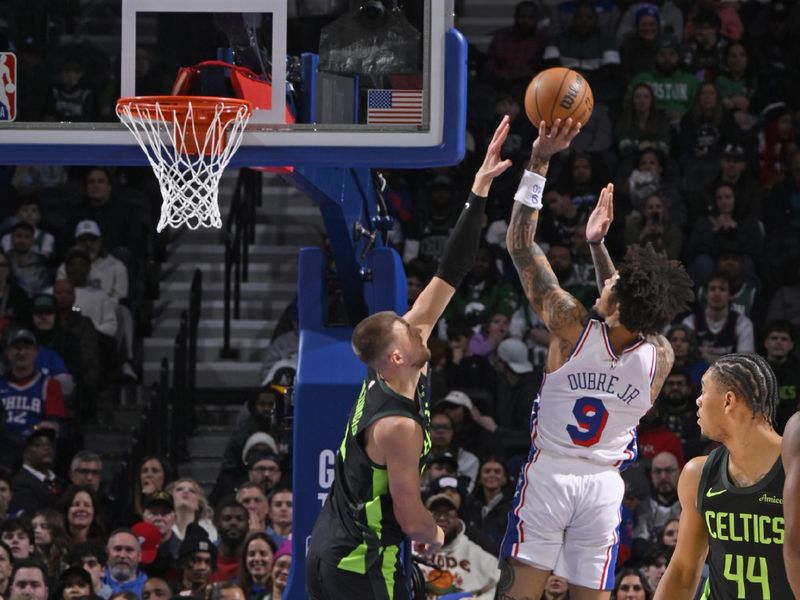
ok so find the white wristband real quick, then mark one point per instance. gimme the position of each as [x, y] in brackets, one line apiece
[530, 190]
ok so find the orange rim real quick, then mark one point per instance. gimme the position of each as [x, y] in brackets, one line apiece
[203, 107]
[206, 114]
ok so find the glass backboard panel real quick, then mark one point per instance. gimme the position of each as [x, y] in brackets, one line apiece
[364, 76]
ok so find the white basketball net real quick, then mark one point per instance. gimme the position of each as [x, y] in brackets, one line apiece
[189, 181]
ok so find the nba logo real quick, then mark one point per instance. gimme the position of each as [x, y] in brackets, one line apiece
[8, 86]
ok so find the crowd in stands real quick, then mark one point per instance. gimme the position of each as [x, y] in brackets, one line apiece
[164, 539]
[72, 287]
[695, 120]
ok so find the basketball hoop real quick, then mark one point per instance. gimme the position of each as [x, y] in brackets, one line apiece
[188, 140]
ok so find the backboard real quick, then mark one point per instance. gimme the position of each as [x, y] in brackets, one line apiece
[371, 83]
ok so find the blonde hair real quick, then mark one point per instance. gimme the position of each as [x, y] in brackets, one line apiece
[203, 508]
[373, 335]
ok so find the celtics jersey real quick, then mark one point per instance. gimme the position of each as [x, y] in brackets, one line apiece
[357, 529]
[745, 528]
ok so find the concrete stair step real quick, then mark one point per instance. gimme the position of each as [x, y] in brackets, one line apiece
[215, 290]
[278, 231]
[108, 441]
[225, 398]
[208, 349]
[192, 251]
[293, 206]
[123, 419]
[481, 19]
[280, 205]
[268, 308]
[221, 428]
[130, 417]
[203, 470]
[213, 418]
[213, 328]
[286, 221]
[208, 445]
[210, 374]
[489, 8]
[255, 287]
[107, 427]
[112, 463]
[482, 23]
[272, 305]
[216, 419]
[283, 271]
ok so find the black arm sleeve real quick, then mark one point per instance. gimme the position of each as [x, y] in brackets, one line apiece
[461, 248]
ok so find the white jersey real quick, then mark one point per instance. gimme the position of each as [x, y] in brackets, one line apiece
[589, 408]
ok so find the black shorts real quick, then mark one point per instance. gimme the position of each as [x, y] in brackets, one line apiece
[326, 582]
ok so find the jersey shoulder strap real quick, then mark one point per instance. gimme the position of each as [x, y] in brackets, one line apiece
[711, 466]
[588, 328]
[379, 401]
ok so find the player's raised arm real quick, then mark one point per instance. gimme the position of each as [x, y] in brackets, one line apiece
[462, 246]
[561, 312]
[596, 230]
[683, 573]
[790, 452]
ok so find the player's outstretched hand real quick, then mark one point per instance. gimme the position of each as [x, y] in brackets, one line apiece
[602, 215]
[554, 140]
[492, 165]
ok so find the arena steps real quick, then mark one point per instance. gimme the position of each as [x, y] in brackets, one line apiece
[215, 290]
[285, 222]
[208, 444]
[255, 309]
[482, 18]
[215, 414]
[250, 348]
[212, 328]
[279, 270]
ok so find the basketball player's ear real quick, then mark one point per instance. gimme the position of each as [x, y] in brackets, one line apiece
[395, 358]
[729, 398]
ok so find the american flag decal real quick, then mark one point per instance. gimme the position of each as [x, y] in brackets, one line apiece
[396, 107]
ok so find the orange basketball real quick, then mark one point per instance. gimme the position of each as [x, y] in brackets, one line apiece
[558, 93]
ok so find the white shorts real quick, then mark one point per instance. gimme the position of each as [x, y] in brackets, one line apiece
[565, 518]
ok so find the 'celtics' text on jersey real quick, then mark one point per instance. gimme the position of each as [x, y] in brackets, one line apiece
[745, 530]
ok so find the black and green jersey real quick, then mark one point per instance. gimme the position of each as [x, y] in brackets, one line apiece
[356, 529]
[745, 529]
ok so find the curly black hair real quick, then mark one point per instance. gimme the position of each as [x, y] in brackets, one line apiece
[651, 290]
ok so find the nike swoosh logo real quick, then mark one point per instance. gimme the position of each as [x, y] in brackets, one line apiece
[711, 493]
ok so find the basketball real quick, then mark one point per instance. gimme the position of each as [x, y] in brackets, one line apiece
[558, 93]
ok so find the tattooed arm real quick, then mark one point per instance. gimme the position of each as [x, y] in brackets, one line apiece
[596, 230]
[665, 358]
[561, 312]
[603, 267]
